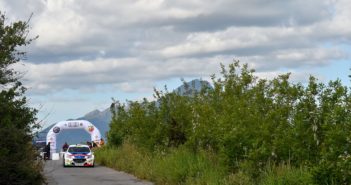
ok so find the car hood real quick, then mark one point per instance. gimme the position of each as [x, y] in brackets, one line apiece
[79, 153]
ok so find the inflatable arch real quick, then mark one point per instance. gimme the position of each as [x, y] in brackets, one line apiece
[67, 125]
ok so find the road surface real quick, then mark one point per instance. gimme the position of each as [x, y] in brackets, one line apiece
[57, 175]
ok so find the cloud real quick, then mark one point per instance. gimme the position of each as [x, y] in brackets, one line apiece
[123, 73]
[140, 75]
[130, 45]
[60, 26]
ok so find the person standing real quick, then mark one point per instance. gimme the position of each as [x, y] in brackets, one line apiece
[89, 144]
[93, 144]
[47, 151]
[65, 147]
[102, 142]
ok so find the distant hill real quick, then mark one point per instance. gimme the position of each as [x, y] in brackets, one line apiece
[102, 119]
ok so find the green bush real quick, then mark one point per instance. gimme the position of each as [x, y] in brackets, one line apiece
[126, 158]
[286, 175]
[177, 166]
[239, 178]
[181, 166]
[17, 121]
[245, 123]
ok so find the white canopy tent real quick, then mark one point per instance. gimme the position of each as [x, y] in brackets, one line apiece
[67, 125]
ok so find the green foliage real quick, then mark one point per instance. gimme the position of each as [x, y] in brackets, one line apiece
[248, 123]
[177, 166]
[12, 36]
[286, 175]
[17, 155]
[126, 157]
[181, 166]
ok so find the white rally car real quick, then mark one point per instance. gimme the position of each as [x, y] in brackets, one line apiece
[78, 155]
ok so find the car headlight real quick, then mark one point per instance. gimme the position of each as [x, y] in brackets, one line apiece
[68, 156]
[89, 156]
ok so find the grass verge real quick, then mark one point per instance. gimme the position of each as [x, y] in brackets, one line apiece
[181, 166]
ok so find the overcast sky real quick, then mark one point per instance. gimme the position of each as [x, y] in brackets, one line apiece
[89, 51]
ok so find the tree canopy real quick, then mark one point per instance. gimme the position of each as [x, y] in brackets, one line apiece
[248, 123]
[17, 120]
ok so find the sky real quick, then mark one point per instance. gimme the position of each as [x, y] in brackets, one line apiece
[89, 51]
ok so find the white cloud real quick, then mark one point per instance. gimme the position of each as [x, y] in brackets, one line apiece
[295, 76]
[132, 44]
[128, 73]
[59, 24]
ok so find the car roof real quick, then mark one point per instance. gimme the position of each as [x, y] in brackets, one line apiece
[78, 145]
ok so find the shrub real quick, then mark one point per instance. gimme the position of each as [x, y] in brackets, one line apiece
[286, 175]
[176, 166]
[247, 123]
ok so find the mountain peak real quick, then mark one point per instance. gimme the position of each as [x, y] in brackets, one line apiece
[196, 85]
[93, 113]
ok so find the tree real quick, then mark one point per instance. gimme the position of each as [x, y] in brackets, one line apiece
[17, 121]
[248, 124]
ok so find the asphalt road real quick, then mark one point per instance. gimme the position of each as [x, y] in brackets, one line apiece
[56, 174]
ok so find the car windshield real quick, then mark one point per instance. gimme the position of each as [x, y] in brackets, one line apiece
[78, 149]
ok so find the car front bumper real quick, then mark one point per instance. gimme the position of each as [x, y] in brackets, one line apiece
[79, 162]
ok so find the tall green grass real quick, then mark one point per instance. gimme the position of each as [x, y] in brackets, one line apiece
[178, 166]
[181, 166]
[126, 158]
[286, 175]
